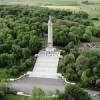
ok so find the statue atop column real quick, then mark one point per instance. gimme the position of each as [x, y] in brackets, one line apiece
[50, 31]
[50, 35]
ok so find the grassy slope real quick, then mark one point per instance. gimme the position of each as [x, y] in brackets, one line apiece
[93, 10]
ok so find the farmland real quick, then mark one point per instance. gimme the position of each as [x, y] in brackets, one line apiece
[72, 8]
[41, 2]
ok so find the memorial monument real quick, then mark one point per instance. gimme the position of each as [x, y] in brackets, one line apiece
[44, 74]
[50, 35]
[47, 60]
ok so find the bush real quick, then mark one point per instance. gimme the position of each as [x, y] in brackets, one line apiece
[74, 92]
[98, 83]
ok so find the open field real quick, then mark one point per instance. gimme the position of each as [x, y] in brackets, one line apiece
[72, 8]
[47, 2]
[41, 2]
[92, 9]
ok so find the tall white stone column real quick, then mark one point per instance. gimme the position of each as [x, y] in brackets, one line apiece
[50, 33]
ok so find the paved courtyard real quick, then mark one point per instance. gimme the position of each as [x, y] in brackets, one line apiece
[26, 84]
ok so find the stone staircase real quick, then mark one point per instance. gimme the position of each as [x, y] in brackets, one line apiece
[46, 65]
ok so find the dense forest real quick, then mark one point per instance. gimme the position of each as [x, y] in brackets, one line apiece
[23, 30]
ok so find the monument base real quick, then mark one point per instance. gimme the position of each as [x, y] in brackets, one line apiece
[50, 49]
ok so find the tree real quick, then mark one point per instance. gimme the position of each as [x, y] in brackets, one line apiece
[68, 59]
[26, 52]
[87, 36]
[29, 62]
[96, 31]
[74, 92]
[34, 44]
[16, 49]
[82, 14]
[37, 94]
[60, 38]
[85, 79]
[82, 62]
[44, 27]
[6, 59]
[98, 82]
[3, 91]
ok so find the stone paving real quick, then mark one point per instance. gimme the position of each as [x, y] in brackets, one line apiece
[46, 65]
[26, 84]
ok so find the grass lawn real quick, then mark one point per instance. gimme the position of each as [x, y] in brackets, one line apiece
[16, 97]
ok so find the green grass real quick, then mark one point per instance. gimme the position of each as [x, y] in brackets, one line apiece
[92, 9]
[16, 97]
[95, 39]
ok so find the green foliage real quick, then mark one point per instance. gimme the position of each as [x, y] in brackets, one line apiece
[74, 92]
[79, 68]
[82, 62]
[3, 90]
[60, 38]
[37, 94]
[6, 59]
[69, 59]
[98, 82]
[22, 27]
[34, 44]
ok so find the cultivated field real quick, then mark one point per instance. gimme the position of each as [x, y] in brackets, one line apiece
[72, 8]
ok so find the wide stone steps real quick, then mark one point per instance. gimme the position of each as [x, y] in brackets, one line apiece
[46, 65]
